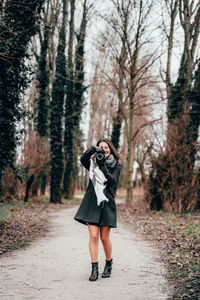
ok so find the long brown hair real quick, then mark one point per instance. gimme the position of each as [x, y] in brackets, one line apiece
[113, 150]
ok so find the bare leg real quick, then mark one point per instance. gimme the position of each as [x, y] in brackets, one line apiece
[93, 242]
[105, 238]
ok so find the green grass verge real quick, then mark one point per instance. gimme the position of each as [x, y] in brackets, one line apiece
[45, 199]
[5, 209]
[74, 200]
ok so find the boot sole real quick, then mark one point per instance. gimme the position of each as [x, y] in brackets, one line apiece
[93, 279]
[104, 276]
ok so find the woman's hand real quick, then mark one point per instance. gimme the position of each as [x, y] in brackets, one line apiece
[96, 149]
[94, 156]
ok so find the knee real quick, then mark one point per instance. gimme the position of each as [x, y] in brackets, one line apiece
[104, 239]
[94, 238]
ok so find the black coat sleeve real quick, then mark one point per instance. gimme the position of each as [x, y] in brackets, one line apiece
[114, 176]
[85, 157]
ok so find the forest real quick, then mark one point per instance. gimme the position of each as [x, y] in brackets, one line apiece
[74, 71]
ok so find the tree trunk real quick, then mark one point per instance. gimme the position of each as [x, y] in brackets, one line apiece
[69, 110]
[58, 93]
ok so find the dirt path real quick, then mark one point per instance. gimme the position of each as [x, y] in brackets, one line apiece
[58, 266]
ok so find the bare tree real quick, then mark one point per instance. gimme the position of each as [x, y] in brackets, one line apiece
[129, 42]
[103, 101]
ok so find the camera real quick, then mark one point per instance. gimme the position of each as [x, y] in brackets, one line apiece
[100, 155]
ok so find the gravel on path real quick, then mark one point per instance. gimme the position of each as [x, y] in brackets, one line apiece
[58, 266]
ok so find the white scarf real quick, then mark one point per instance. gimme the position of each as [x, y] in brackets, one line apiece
[98, 180]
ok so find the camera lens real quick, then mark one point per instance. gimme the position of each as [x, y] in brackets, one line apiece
[100, 156]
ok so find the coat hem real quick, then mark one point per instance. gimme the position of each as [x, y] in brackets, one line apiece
[84, 222]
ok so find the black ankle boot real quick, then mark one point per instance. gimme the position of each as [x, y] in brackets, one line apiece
[95, 272]
[107, 269]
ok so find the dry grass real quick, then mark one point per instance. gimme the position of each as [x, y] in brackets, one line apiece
[138, 200]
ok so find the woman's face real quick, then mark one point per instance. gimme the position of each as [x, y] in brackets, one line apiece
[105, 146]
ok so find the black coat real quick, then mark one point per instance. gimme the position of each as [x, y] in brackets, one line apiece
[89, 211]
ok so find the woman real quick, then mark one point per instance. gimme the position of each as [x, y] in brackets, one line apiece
[98, 208]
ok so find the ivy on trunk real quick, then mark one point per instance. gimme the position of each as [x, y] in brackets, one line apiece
[19, 22]
[58, 93]
[74, 101]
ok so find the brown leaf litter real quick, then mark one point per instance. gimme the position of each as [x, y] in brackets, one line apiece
[178, 239]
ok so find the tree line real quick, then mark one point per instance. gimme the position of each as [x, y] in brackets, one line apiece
[131, 79]
[168, 164]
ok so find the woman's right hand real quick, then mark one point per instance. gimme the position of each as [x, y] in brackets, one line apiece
[95, 150]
